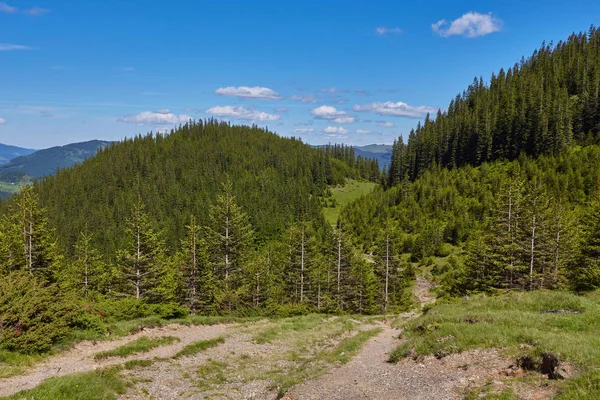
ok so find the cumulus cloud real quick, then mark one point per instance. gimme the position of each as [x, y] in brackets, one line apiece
[470, 25]
[335, 129]
[159, 117]
[2, 121]
[362, 131]
[398, 109]
[5, 8]
[36, 11]
[386, 124]
[10, 47]
[332, 114]
[237, 112]
[303, 130]
[247, 92]
[306, 99]
[384, 30]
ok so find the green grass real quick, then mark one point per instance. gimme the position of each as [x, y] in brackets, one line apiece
[141, 345]
[13, 363]
[343, 195]
[285, 326]
[197, 347]
[102, 384]
[138, 363]
[583, 387]
[519, 323]
[348, 347]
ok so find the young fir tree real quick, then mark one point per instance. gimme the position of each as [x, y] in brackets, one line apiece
[140, 261]
[301, 244]
[230, 238]
[363, 286]
[198, 282]
[586, 272]
[28, 242]
[85, 271]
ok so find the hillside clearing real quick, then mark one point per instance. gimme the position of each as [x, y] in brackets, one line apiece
[346, 194]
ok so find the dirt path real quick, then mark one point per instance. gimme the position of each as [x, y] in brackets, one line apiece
[81, 357]
[369, 375]
[257, 359]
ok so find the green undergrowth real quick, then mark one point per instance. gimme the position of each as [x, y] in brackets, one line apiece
[140, 345]
[521, 324]
[199, 346]
[103, 384]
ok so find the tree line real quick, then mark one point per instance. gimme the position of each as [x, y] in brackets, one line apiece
[216, 268]
[541, 105]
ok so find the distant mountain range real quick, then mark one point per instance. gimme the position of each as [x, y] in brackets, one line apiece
[8, 153]
[36, 164]
[381, 152]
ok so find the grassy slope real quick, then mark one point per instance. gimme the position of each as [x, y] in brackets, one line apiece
[520, 324]
[343, 195]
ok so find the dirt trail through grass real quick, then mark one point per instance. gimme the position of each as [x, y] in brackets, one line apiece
[369, 375]
[81, 357]
[270, 359]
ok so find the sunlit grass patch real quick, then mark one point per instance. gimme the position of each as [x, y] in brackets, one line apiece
[197, 347]
[140, 345]
[102, 384]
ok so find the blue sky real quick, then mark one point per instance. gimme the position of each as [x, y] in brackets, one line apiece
[357, 72]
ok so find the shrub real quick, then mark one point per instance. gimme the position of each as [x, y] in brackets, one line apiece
[33, 316]
[128, 309]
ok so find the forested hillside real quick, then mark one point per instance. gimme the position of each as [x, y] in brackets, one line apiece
[211, 218]
[529, 223]
[277, 182]
[542, 105]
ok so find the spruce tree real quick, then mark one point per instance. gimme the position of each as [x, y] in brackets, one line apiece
[230, 237]
[141, 259]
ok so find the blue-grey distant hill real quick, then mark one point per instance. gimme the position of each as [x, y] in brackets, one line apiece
[8, 153]
[47, 161]
[381, 152]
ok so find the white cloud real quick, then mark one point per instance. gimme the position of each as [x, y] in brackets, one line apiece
[155, 118]
[398, 109]
[246, 92]
[309, 98]
[36, 11]
[303, 130]
[383, 31]
[386, 124]
[2, 121]
[5, 8]
[335, 129]
[237, 112]
[333, 90]
[470, 25]
[362, 131]
[9, 47]
[332, 114]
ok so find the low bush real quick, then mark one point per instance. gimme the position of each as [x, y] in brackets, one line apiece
[33, 315]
